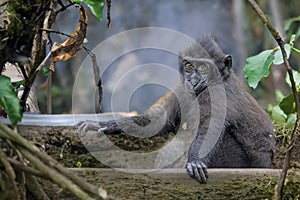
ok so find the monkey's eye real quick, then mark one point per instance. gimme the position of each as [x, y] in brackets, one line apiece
[202, 68]
[188, 66]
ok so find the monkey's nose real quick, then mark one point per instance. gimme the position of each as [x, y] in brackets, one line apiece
[194, 83]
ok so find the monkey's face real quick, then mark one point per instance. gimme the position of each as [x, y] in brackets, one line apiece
[196, 73]
[203, 67]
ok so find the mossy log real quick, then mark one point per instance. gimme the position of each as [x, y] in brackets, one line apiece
[176, 184]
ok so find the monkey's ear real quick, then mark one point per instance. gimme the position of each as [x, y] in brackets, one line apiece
[228, 61]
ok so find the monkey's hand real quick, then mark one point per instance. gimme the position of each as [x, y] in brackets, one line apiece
[197, 169]
[84, 126]
[100, 127]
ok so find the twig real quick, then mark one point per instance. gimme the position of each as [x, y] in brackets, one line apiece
[55, 176]
[21, 175]
[9, 171]
[49, 93]
[39, 49]
[43, 63]
[108, 5]
[3, 4]
[26, 169]
[8, 168]
[7, 133]
[97, 79]
[46, 169]
[35, 188]
[63, 7]
[54, 31]
[280, 184]
[23, 71]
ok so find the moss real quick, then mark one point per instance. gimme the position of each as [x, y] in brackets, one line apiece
[292, 188]
[24, 15]
[139, 186]
[282, 141]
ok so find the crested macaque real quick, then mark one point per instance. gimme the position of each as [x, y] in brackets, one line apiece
[229, 128]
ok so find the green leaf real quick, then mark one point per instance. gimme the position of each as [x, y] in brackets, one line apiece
[297, 33]
[291, 120]
[292, 40]
[276, 114]
[258, 67]
[288, 23]
[288, 104]
[96, 6]
[279, 96]
[9, 100]
[18, 83]
[296, 76]
[46, 71]
[278, 55]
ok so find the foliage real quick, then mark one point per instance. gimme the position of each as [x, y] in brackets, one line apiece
[96, 6]
[288, 26]
[23, 20]
[255, 71]
[258, 66]
[284, 112]
[9, 100]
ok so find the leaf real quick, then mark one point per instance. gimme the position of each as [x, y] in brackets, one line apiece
[288, 104]
[278, 55]
[46, 70]
[292, 40]
[298, 33]
[296, 76]
[291, 120]
[288, 23]
[96, 6]
[18, 83]
[279, 96]
[9, 100]
[72, 45]
[258, 67]
[276, 114]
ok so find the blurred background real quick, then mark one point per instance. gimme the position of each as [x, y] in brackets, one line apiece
[233, 22]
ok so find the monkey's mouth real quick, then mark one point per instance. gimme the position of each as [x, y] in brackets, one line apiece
[199, 87]
[195, 87]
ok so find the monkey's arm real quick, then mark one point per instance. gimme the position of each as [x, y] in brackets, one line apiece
[197, 162]
[162, 118]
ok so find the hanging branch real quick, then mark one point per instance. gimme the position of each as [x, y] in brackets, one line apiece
[108, 5]
[39, 49]
[97, 79]
[280, 184]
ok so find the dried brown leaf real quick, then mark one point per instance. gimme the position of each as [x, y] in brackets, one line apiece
[73, 44]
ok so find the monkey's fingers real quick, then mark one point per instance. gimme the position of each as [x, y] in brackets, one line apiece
[202, 168]
[83, 127]
[189, 169]
[101, 130]
[197, 171]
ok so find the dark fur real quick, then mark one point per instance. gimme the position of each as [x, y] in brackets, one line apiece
[247, 137]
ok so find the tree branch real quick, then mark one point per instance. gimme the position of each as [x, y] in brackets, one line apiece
[280, 184]
[47, 165]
